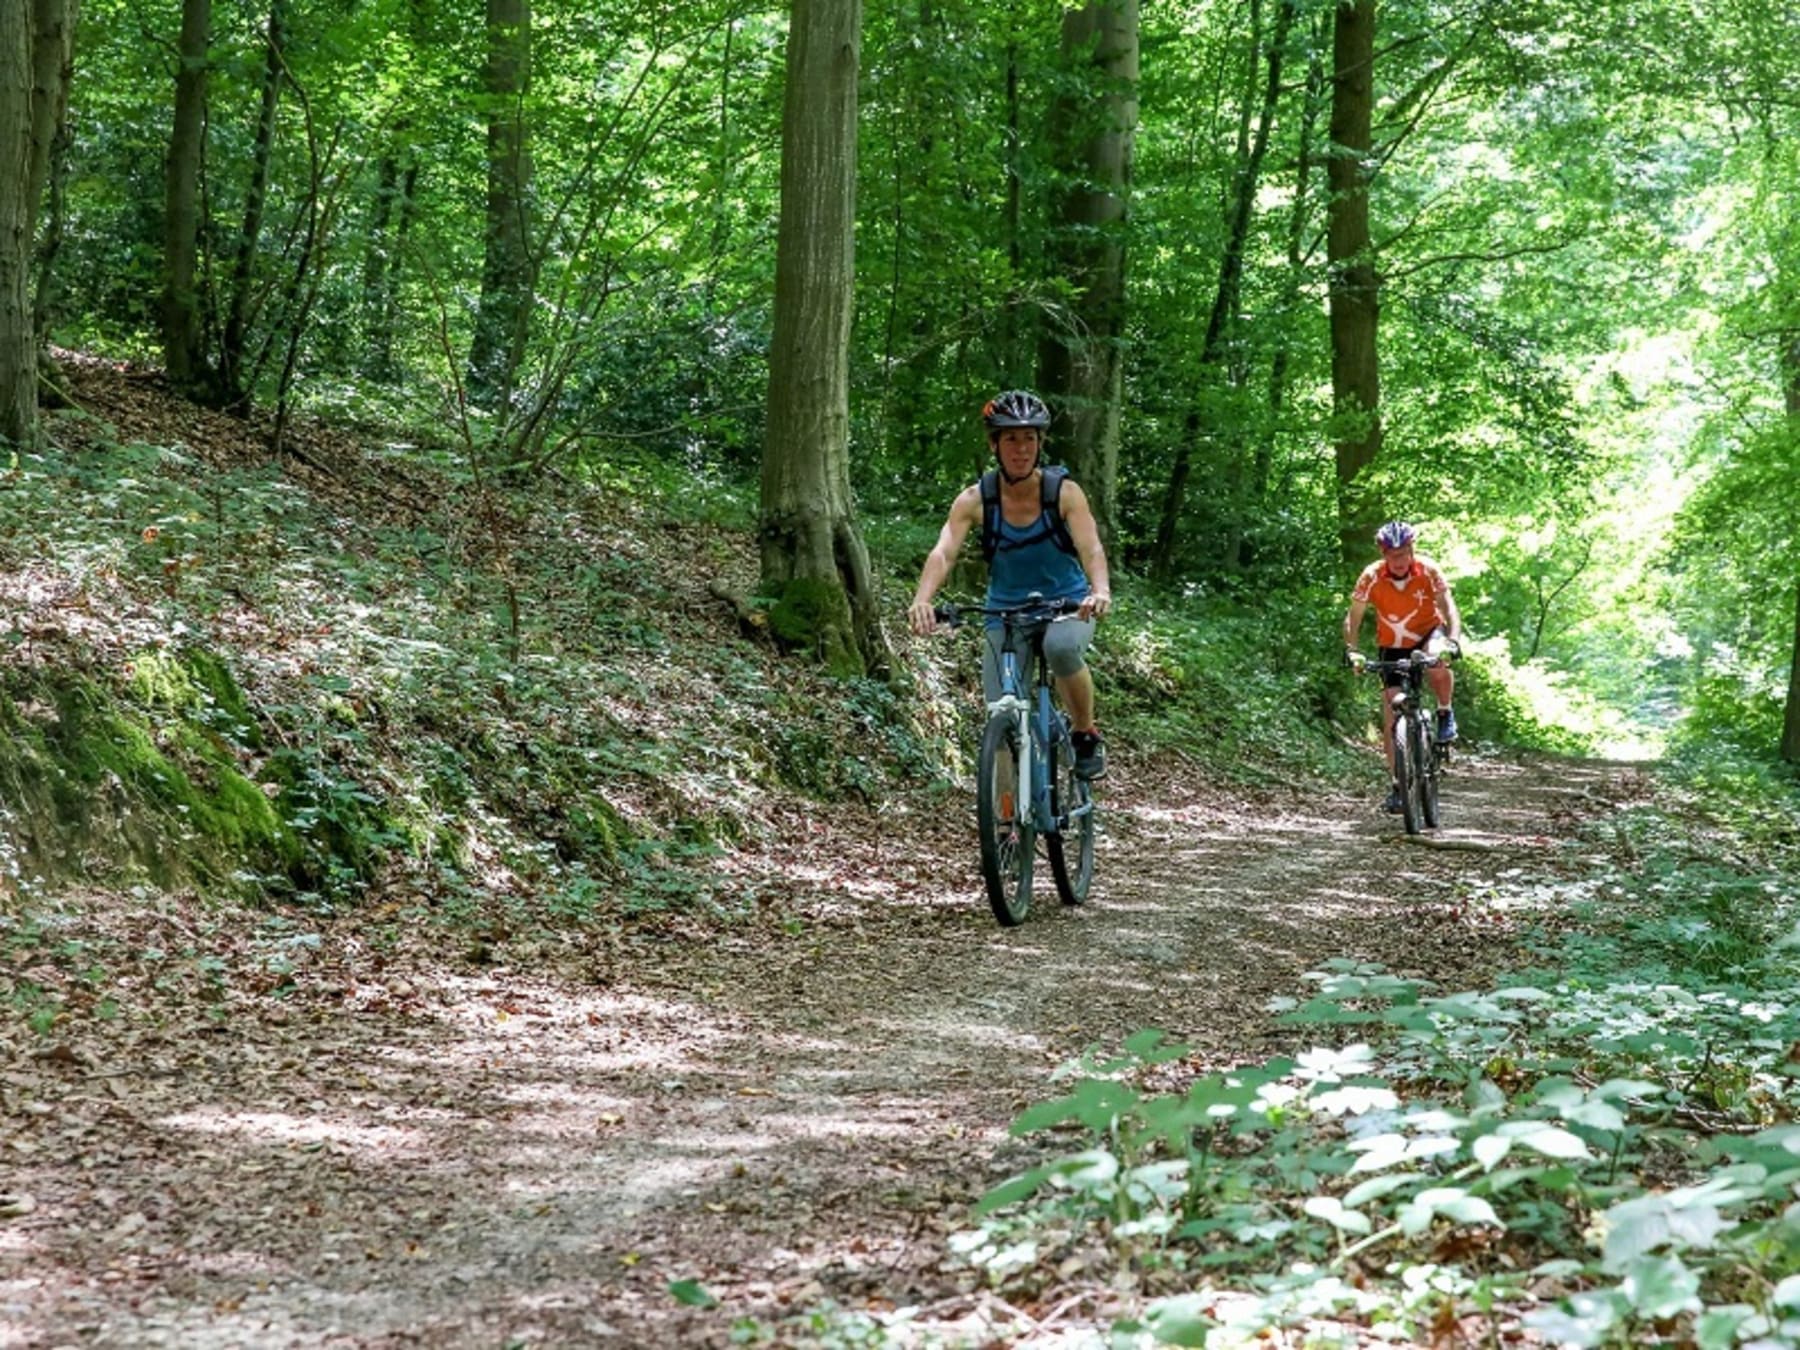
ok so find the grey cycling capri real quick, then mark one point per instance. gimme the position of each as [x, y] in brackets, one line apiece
[1065, 649]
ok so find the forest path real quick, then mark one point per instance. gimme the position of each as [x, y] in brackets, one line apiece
[415, 1151]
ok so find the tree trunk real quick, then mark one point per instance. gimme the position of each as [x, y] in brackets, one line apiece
[1355, 283]
[53, 61]
[1015, 182]
[36, 47]
[182, 350]
[813, 560]
[18, 357]
[1227, 297]
[1295, 275]
[1082, 362]
[1790, 722]
[232, 376]
[503, 320]
[396, 180]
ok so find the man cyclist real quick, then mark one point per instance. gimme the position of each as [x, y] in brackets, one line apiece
[1413, 609]
[1040, 539]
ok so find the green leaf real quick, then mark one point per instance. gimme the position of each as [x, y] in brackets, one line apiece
[1353, 1100]
[1489, 1149]
[1331, 1209]
[1148, 1048]
[1596, 1115]
[1717, 1328]
[1011, 1190]
[1181, 1320]
[1096, 1103]
[1689, 1217]
[1376, 1187]
[1661, 1286]
[1085, 1171]
[1549, 1140]
[1630, 1232]
[691, 1294]
[1452, 1202]
[1583, 1321]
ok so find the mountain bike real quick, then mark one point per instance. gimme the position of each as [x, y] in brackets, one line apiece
[1419, 757]
[1026, 787]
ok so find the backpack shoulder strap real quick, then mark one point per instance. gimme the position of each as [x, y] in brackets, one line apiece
[1053, 478]
[990, 514]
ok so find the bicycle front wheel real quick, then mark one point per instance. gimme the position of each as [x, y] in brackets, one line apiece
[1071, 846]
[1431, 763]
[1004, 819]
[1407, 772]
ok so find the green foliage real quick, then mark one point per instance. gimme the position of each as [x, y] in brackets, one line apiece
[1598, 1152]
[1231, 685]
[97, 786]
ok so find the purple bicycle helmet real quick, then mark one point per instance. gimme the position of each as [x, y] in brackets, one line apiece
[1395, 534]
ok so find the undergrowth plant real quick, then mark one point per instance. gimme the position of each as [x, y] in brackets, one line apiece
[1602, 1152]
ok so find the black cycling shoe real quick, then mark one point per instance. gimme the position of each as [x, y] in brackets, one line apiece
[1090, 754]
[1393, 805]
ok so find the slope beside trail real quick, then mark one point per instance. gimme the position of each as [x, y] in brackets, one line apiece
[410, 1148]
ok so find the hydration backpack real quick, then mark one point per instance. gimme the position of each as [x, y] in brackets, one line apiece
[1050, 521]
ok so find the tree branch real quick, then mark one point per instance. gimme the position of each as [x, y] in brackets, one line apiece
[1498, 255]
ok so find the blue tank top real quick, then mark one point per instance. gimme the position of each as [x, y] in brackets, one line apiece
[1027, 562]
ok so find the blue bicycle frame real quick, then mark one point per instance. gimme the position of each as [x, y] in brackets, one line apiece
[1037, 719]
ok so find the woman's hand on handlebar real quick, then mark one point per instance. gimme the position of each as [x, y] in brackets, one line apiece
[1095, 606]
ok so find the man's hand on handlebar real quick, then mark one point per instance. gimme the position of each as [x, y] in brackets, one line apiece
[922, 618]
[1353, 659]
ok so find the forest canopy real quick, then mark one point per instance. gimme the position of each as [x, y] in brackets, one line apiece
[1523, 274]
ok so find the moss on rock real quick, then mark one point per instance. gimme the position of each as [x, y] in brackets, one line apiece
[95, 788]
[813, 615]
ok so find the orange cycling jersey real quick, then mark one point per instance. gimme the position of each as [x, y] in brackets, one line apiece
[1406, 610]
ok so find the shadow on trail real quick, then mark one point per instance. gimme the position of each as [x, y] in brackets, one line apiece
[511, 1157]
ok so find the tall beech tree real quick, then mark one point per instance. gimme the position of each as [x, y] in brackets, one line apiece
[18, 360]
[814, 564]
[503, 321]
[232, 373]
[1355, 282]
[53, 60]
[1082, 360]
[35, 45]
[184, 351]
[1790, 721]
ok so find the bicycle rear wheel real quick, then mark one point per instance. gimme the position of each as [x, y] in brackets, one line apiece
[1431, 764]
[1406, 772]
[1004, 819]
[1071, 847]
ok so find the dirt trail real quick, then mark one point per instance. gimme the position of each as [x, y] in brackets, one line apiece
[798, 1110]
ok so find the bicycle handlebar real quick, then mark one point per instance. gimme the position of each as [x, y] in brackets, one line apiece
[1418, 659]
[1032, 611]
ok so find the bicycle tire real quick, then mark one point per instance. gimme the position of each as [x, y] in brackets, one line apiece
[1406, 773]
[1072, 803]
[1432, 763]
[1007, 839]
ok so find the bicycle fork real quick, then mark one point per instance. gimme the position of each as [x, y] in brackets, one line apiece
[1020, 711]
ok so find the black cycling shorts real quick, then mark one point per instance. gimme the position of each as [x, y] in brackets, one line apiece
[1392, 680]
